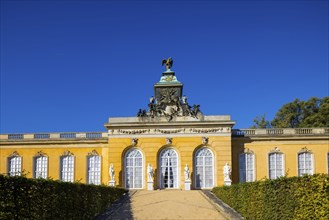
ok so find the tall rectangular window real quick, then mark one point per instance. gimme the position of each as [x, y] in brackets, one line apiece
[275, 163]
[41, 167]
[94, 170]
[67, 168]
[14, 166]
[305, 163]
[246, 167]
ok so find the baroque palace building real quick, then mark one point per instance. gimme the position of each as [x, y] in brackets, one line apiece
[169, 145]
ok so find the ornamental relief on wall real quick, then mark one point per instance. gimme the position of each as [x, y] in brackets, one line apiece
[155, 131]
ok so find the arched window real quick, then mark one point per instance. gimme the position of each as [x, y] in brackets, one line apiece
[305, 163]
[168, 168]
[134, 169]
[14, 164]
[94, 168]
[275, 163]
[204, 168]
[246, 167]
[67, 167]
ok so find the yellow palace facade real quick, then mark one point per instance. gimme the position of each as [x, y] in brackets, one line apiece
[171, 144]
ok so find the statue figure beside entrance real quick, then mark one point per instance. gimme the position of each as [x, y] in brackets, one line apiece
[227, 173]
[187, 172]
[111, 173]
[150, 173]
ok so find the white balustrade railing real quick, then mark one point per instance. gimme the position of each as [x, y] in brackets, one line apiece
[279, 131]
[64, 135]
[104, 135]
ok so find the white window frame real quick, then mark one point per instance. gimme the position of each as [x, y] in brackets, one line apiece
[134, 167]
[94, 169]
[203, 183]
[305, 170]
[244, 170]
[67, 168]
[15, 165]
[41, 166]
[175, 177]
[276, 174]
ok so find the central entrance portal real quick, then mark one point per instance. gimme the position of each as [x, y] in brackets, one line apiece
[169, 168]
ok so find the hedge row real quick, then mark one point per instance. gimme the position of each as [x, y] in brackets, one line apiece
[22, 198]
[304, 197]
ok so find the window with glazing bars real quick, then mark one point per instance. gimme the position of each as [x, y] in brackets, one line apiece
[41, 167]
[15, 166]
[204, 169]
[67, 168]
[246, 167]
[305, 164]
[94, 170]
[134, 169]
[275, 163]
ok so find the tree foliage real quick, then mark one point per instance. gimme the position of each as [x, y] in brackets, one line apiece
[298, 114]
[261, 122]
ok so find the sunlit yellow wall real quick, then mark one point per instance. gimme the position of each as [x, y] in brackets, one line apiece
[185, 147]
[290, 147]
[112, 150]
[54, 151]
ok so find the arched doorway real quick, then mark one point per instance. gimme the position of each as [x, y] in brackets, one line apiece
[133, 169]
[204, 168]
[168, 164]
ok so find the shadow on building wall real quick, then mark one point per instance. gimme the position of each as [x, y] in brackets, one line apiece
[238, 146]
[120, 180]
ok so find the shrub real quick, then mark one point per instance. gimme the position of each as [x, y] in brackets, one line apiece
[305, 197]
[22, 198]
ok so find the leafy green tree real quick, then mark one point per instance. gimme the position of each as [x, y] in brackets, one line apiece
[261, 122]
[289, 115]
[316, 113]
[298, 114]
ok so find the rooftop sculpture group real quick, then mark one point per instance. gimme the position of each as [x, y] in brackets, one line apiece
[169, 104]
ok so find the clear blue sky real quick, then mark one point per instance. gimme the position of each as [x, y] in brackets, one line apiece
[69, 65]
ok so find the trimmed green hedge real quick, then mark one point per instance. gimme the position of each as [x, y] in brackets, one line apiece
[304, 197]
[23, 198]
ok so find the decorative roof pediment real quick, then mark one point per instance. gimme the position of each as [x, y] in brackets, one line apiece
[67, 153]
[276, 150]
[40, 154]
[14, 154]
[93, 153]
[248, 151]
[305, 150]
